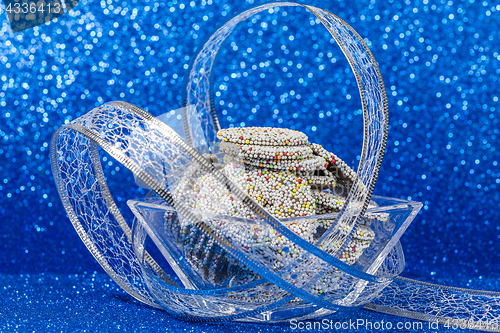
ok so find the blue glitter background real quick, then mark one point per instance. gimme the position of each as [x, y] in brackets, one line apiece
[441, 65]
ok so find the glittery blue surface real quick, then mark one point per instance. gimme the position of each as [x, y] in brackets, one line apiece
[441, 65]
[94, 303]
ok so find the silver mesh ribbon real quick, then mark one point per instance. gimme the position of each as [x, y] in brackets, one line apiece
[156, 153]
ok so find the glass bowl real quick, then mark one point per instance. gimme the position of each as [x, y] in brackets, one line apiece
[241, 294]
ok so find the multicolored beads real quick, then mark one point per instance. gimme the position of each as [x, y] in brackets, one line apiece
[282, 193]
[267, 152]
[289, 178]
[262, 136]
[335, 165]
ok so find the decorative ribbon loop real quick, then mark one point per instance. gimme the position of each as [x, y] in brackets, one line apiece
[198, 90]
[159, 157]
[132, 136]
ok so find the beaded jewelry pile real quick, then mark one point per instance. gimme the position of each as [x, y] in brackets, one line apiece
[287, 176]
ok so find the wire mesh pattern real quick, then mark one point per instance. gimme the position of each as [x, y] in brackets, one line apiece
[160, 158]
[454, 307]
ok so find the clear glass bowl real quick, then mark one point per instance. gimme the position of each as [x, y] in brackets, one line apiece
[234, 293]
[228, 268]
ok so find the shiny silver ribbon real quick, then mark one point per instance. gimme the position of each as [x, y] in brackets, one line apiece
[132, 136]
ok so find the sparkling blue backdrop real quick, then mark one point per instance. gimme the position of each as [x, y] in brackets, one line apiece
[440, 61]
